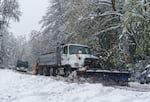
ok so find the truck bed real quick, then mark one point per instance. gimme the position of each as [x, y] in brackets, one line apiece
[48, 59]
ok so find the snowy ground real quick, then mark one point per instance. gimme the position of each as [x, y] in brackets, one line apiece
[16, 87]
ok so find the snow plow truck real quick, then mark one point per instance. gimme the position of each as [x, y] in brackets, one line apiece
[67, 58]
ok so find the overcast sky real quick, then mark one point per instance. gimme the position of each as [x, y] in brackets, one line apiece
[32, 12]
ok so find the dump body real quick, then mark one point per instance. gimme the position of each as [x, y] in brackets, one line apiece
[48, 59]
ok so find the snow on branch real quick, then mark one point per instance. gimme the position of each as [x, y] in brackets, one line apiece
[105, 2]
[110, 13]
[91, 16]
[108, 29]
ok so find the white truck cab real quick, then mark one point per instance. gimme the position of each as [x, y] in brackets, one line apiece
[75, 54]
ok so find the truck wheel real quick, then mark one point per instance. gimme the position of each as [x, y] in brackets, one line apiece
[51, 71]
[54, 71]
[46, 71]
[40, 70]
[147, 82]
[67, 71]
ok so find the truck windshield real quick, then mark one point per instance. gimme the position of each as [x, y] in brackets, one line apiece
[74, 49]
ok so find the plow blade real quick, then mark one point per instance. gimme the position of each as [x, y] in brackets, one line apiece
[117, 76]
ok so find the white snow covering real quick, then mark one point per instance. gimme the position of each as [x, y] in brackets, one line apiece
[16, 87]
[147, 66]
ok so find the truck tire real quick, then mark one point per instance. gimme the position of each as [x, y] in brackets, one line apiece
[40, 70]
[46, 71]
[50, 71]
[67, 70]
[54, 71]
[141, 82]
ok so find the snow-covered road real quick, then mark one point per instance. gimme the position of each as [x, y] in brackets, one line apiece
[16, 87]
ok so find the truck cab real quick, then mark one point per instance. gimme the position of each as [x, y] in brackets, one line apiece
[75, 54]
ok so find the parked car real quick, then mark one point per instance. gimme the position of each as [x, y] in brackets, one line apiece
[22, 65]
[145, 75]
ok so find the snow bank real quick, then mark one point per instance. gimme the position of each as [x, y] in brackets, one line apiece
[15, 87]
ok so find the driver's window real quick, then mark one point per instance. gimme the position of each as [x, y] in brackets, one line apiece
[65, 50]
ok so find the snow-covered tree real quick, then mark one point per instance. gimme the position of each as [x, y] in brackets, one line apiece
[53, 19]
[9, 51]
[60, 20]
[110, 26]
[35, 46]
[9, 10]
[136, 27]
[93, 22]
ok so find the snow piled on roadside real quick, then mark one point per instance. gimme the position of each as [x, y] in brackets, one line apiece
[15, 87]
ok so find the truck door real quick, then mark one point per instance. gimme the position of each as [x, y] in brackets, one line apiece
[64, 55]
